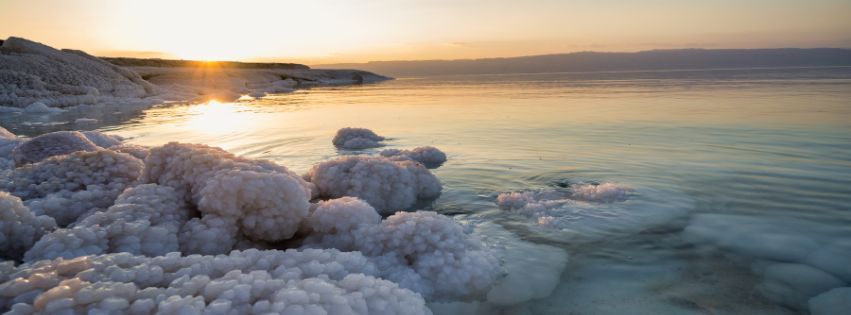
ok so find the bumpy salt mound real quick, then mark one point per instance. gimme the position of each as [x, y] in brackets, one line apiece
[797, 259]
[145, 220]
[51, 144]
[67, 186]
[423, 251]
[833, 302]
[430, 156]
[533, 200]
[31, 72]
[385, 184]
[356, 138]
[605, 192]
[19, 228]
[261, 199]
[137, 151]
[283, 282]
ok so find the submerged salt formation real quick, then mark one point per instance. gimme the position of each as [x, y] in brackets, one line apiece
[66, 187]
[283, 282]
[19, 227]
[31, 72]
[541, 200]
[797, 260]
[385, 184]
[429, 156]
[356, 139]
[422, 251]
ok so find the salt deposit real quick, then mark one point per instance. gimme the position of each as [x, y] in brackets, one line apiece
[796, 259]
[385, 184]
[41, 79]
[587, 212]
[32, 74]
[261, 199]
[429, 156]
[51, 144]
[145, 220]
[65, 187]
[422, 251]
[19, 228]
[356, 139]
[284, 282]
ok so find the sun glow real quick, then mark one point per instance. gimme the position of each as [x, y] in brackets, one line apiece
[218, 118]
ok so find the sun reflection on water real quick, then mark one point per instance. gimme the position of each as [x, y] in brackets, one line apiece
[218, 118]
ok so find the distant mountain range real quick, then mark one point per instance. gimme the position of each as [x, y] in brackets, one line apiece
[613, 61]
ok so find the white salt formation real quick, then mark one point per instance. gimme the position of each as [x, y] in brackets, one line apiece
[260, 199]
[535, 200]
[189, 199]
[798, 260]
[356, 139]
[32, 73]
[258, 282]
[430, 156]
[19, 228]
[145, 220]
[385, 184]
[423, 251]
[65, 187]
[51, 144]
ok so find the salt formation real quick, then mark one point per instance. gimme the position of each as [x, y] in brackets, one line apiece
[429, 156]
[385, 184]
[101, 139]
[252, 281]
[8, 142]
[587, 212]
[260, 199]
[531, 272]
[32, 73]
[145, 220]
[66, 187]
[356, 138]
[833, 302]
[423, 251]
[19, 228]
[51, 144]
[797, 259]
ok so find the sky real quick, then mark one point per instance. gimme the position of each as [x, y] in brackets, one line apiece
[336, 31]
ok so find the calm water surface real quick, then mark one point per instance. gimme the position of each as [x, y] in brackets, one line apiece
[770, 148]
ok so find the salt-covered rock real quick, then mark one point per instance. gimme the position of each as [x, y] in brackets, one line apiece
[51, 144]
[284, 282]
[145, 220]
[423, 251]
[137, 151]
[67, 186]
[34, 73]
[19, 228]
[356, 138]
[833, 302]
[605, 192]
[266, 200]
[8, 142]
[385, 184]
[429, 156]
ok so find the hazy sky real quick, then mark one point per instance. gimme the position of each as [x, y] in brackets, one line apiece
[323, 31]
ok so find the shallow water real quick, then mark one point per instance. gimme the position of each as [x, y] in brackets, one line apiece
[752, 143]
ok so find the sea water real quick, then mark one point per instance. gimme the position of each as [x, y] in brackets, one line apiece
[738, 180]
